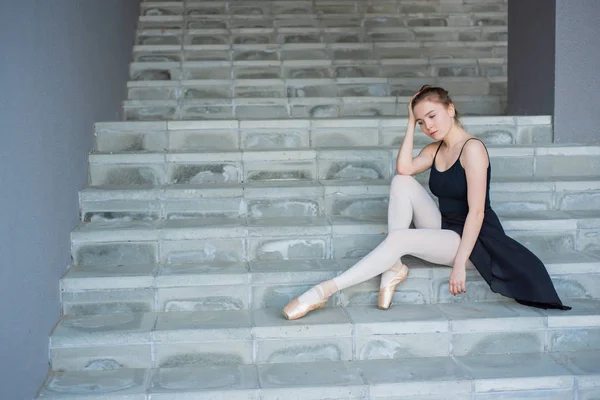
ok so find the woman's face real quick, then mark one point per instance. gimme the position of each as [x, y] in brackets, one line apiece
[434, 119]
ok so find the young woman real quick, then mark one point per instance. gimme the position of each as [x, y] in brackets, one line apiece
[463, 231]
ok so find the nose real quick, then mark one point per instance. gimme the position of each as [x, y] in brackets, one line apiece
[428, 125]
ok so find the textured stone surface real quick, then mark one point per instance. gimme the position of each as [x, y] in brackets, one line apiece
[224, 239]
[223, 297]
[323, 380]
[483, 377]
[304, 350]
[344, 163]
[104, 357]
[195, 251]
[130, 384]
[106, 301]
[103, 329]
[443, 375]
[402, 346]
[537, 368]
[218, 336]
[298, 198]
[141, 136]
[187, 354]
[114, 254]
[191, 287]
[199, 382]
[254, 161]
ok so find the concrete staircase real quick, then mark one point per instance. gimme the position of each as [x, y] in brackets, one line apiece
[255, 162]
[314, 59]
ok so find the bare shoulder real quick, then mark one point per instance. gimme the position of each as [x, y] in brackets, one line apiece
[430, 149]
[474, 154]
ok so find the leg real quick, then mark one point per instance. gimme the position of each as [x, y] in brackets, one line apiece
[434, 245]
[409, 202]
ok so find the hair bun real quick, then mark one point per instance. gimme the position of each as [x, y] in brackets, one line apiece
[424, 87]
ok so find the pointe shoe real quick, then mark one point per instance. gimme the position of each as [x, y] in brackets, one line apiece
[296, 309]
[386, 293]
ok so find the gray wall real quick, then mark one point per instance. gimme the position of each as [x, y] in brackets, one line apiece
[63, 65]
[577, 93]
[553, 59]
[531, 64]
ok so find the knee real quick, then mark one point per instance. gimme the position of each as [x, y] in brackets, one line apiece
[397, 236]
[403, 182]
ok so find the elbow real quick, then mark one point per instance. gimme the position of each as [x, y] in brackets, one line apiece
[478, 215]
[403, 170]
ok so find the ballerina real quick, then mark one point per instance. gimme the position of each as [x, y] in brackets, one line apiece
[463, 232]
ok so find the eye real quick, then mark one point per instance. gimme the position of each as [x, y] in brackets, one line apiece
[432, 116]
[420, 123]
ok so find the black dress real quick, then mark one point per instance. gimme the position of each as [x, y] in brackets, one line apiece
[508, 267]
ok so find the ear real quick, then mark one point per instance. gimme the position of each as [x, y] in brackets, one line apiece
[451, 110]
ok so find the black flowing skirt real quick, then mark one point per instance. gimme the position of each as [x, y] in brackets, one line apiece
[507, 266]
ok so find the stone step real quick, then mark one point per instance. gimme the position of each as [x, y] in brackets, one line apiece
[214, 286]
[314, 198]
[248, 55]
[368, 163]
[146, 136]
[168, 66]
[298, 36]
[456, 11]
[308, 107]
[186, 339]
[289, 9]
[342, 17]
[208, 89]
[273, 239]
[556, 376]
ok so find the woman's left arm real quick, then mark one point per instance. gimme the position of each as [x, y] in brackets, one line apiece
[475, 162]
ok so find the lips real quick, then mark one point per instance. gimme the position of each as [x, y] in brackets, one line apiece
[432, 133]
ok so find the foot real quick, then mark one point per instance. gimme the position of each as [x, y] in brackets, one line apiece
[314, 298]
[389, 280]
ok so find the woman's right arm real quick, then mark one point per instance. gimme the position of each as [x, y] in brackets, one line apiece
[405, 163]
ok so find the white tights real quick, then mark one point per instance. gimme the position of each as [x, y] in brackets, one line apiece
[409, 202]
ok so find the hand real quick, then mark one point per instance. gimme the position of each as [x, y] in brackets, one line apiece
[458, 280]
[411, 114]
